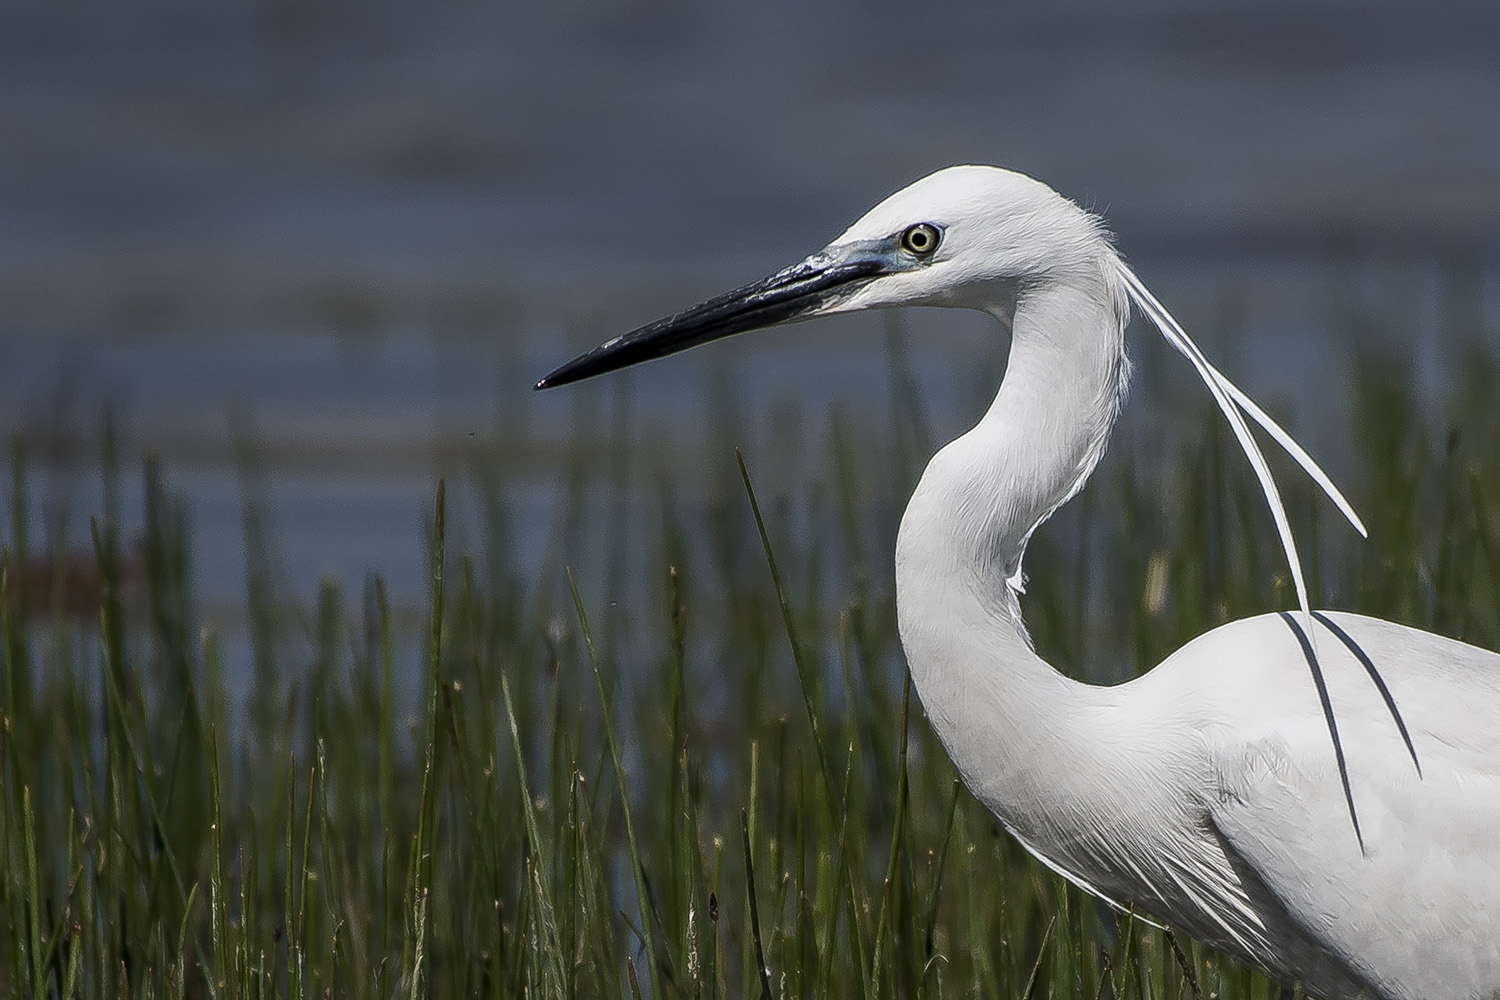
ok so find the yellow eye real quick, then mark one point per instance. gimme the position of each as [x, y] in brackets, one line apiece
[921, 240]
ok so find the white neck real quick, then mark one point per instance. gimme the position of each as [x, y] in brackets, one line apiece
[1000, 709]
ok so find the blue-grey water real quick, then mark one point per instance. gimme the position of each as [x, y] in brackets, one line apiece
[362, 229]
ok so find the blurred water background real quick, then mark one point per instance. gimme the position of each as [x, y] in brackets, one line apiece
[313, 254]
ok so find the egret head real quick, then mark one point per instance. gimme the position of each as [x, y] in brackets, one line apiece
[966, 237]
[997, 232]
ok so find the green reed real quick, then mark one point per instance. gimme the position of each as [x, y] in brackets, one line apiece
[698, 771]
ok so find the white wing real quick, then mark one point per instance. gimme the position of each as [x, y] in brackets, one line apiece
[1415, 909]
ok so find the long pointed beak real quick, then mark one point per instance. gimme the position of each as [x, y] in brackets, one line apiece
[796, 292]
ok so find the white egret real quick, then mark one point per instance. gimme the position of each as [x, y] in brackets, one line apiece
[1206, 792]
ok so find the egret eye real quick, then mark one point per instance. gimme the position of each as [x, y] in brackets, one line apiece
[921, 240]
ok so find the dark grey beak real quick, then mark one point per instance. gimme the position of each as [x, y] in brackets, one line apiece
[787, 295]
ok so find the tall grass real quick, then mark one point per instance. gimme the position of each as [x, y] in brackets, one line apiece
[721, 787]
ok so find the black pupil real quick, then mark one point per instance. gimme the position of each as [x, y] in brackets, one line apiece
[919, 239]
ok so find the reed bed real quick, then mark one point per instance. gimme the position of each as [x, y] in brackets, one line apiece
[722, 786]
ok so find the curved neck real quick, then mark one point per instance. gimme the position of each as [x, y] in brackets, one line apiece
[994, 703]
